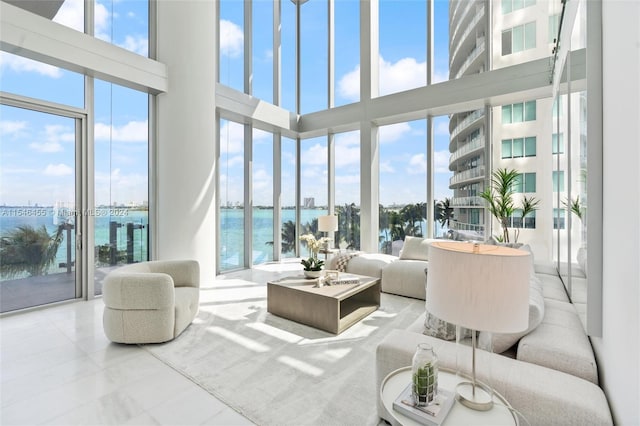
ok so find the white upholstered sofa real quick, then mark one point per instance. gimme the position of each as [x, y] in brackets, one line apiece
[548, 373]
[150, 302]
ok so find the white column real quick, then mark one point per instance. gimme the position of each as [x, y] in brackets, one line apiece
[186, 163]
[369, 148]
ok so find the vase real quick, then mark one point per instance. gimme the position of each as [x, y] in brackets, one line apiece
[312, 274]
[424, 369]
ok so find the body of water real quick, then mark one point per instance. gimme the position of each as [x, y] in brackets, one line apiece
[13, 217]
[231, 237]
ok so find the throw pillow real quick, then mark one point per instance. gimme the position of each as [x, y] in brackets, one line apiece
[416, 248]
[435, 327]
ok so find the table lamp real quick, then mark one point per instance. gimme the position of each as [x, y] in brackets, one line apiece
[327, 224]
[480, 287]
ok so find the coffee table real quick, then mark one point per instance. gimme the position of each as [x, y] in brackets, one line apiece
[331, 308]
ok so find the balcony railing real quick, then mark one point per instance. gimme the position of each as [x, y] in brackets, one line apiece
[458, 19]
[474, 173]
[475, 53]
[471, 27]
[474, 201]
[466, 122]
[475, 145]
[460, 226]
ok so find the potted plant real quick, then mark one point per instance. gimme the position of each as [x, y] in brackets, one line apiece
[499, 195]
[313, 265]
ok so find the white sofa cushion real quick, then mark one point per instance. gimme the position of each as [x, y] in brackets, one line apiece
[370, 264]
[416, 248]
[560, 342]
[405, 278]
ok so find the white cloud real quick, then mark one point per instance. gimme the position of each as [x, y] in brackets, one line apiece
[57, 170]
[53, 135]
[46, 147]
[386, 167]
[417, 165]
[316, 155]
[231, 38]
[348, 180]
[133, 131]
[121, 188]
[393, 132]
[137, 44]
[405, 74]
[442, 128]
[349, 85]
[232, 162]
[71, 14]
[19, 64]
[441, 162]
[440, 75]
[8, 127]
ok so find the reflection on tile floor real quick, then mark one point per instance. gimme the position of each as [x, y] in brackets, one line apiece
[58, 368]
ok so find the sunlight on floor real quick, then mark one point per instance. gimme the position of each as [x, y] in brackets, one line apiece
[275, 332]
[239, 339]
[301, 366]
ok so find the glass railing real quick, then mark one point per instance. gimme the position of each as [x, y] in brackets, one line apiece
[477, 51]
[461, 226]
[474, 145]
[459, 19]
[473, 201]
[467, 175]
[466, 122]
[471, 27]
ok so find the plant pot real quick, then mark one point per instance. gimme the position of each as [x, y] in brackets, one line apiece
[312, 274]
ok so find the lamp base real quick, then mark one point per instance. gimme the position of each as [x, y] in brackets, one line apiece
[479, 399]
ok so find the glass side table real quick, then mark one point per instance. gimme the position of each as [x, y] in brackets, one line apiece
[397, 380]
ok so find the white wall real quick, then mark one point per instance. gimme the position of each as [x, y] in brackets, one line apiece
[618, 350]
[185, 160]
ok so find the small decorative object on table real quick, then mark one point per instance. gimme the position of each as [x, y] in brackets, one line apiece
[424, 369]
[312, 267]
[432, 414]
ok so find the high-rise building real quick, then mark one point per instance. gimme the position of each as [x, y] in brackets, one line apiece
[485, 36]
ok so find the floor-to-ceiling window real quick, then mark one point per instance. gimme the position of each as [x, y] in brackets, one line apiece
[403, 181]
[288, 197]
[262, 186]
[232, 211]
[38, 206]
[313, 185]
[403, 45]
[347, 189]
[121, 220]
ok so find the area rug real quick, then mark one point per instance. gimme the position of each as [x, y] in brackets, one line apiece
[278, 372]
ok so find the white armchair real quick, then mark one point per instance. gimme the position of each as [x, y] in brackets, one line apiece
[150, 302]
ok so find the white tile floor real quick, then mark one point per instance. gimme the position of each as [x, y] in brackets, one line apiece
[58, 368]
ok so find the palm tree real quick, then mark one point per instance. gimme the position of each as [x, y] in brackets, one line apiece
[395, 226]
[499, 195]
[529, 205]
[412, 214]
[444, 212]
[288, 237]
[30, 250]
[383, 224]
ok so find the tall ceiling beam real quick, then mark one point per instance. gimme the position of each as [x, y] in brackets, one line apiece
[29, 35]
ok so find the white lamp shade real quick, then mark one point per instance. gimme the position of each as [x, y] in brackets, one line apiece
[484, 289]
[327, 223]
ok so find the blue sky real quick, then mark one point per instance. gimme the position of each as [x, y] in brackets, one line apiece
[38, 151]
